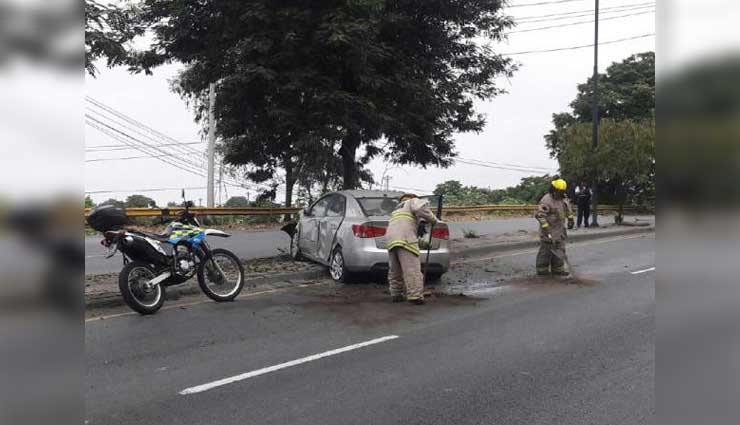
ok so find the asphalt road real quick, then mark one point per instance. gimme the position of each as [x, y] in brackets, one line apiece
[250, 245]
[513, 350]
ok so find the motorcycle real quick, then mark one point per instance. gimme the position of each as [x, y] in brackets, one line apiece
[152, 262]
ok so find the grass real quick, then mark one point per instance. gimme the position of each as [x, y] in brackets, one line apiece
[470, 234]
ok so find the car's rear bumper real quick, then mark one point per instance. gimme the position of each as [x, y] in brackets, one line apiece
[369, 258]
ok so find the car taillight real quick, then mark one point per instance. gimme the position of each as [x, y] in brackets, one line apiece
[367, 231]
[441, 233]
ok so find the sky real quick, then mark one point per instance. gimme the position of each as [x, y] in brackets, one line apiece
[517, 121]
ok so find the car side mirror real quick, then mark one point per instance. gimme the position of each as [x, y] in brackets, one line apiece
[307, 212]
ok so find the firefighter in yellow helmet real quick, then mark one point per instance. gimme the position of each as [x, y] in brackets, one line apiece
[552, 212]
[404, 265]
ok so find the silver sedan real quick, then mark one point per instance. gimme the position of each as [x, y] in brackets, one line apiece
[345, 230]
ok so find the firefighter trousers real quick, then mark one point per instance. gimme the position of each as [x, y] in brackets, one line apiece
[404, 274]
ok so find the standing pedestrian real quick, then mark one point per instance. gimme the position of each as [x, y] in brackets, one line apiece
[552, 212]
[404, 265]
[583, 202]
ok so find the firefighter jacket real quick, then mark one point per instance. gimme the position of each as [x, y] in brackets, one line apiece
[552, 214]
[404, 224]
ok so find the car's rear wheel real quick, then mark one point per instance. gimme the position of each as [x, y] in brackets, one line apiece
[337, 267]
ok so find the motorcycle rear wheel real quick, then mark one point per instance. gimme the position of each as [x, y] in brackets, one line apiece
[138, 296]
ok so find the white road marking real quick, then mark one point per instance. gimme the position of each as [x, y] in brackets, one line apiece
[258, 372]
[643, 271]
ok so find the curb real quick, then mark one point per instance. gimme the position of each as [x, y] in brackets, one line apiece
[534, 243]
[113, 299]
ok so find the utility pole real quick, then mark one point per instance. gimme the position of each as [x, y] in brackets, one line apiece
[211, 141]
[595, 119]
[387, 182]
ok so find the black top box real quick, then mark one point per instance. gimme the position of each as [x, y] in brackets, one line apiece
[107, 217]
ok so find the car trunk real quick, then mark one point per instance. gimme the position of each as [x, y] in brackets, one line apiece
[380, 241]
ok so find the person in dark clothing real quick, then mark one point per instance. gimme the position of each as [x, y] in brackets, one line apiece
[583, 202]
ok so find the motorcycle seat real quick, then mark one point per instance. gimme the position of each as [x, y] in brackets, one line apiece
[156, 236]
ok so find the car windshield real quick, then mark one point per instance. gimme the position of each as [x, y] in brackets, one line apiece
[378, 206]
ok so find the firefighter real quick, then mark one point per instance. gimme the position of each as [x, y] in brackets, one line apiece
[404, 266]
[553, 210]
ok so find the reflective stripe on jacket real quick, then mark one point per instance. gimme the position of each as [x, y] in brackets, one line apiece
[404, 224]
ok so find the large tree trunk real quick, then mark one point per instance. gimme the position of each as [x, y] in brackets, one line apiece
[289, 184]
[348, 151]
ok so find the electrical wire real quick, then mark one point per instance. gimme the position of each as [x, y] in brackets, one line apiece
[541, 3]
[156, 146]
[560, 49]
[584, 12]
[503, 164]
[107, 148]
[570, 24]
[135, 122]
[497, 167]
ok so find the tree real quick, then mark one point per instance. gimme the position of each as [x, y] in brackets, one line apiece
[108, 28]
[625, 155]
[138, 201]
[626, 92]
[114, 202]
[237, 201]
[528, 191]
[89, 202]
[296, 77]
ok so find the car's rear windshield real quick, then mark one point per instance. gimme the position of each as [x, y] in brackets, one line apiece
[378, 206]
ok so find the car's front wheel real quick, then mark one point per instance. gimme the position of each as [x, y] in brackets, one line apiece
[337, 268]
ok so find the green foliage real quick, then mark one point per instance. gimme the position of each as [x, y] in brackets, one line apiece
[470, 234]
[237, 201]
[108, 29]
[138, 201]
[625, 158]
[626, 92]
[89, 202]
[528, 191]
[325, 80]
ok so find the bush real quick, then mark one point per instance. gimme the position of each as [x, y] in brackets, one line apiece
[470, 234]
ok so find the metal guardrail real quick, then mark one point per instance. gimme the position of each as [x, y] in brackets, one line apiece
[224, 211]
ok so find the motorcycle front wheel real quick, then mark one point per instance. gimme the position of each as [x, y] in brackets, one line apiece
[136, 291]
[221, 277]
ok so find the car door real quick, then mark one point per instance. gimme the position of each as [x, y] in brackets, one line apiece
[330, 223]
[309, 237]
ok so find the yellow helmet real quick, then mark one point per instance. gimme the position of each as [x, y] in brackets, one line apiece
[559, 184]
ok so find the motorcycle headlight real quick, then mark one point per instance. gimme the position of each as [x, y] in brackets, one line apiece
[128, 240]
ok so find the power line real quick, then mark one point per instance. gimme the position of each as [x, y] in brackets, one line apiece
[139, 125]
[580, 13]
[145, 147]
[130, 157]
[133, 121]
[497, 167]
[122, 137]
[106, 148]
[151, 144]
[542, 3]
[570, 24]
[503, 164]
[579, 47]
[97, 192]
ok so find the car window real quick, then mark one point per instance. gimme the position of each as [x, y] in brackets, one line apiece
[378, 206]
[336, 206]
[319, 208]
